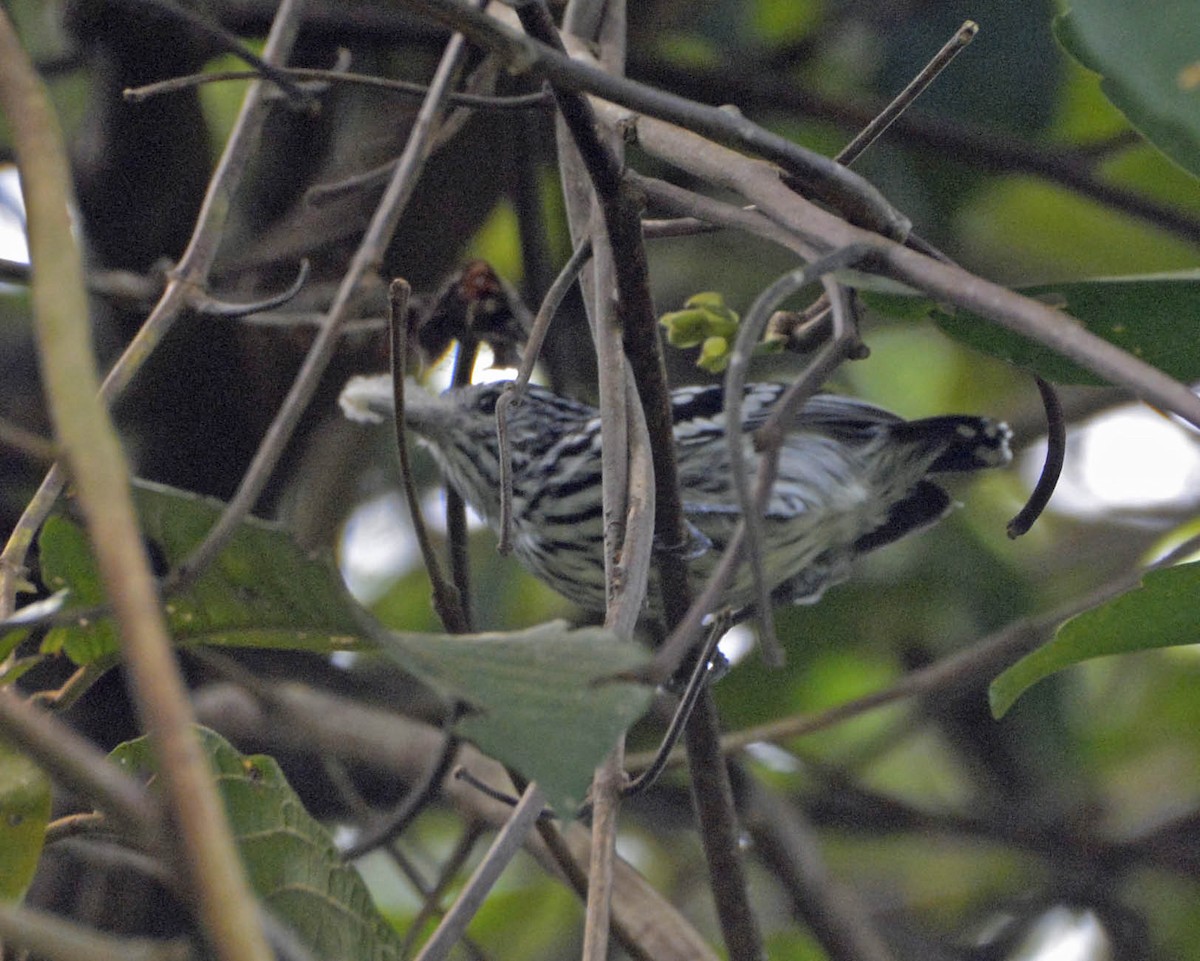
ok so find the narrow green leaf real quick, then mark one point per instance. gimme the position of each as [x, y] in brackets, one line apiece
[24, 814]
[542, 701]
[1148, 56]
[290, 859]
[1162, 612]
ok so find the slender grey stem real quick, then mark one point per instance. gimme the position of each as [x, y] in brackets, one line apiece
[750, 332]
[366, 258]
[508, 842]
[876, 128]
[537, 335]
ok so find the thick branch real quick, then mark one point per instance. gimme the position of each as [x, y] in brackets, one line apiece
[93, 453]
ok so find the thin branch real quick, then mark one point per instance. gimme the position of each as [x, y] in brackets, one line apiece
[720, 833]
[824, 179]
[1056, 455]
[984, 150]
[903, 100]
[749, 333]
[457, 536]
[683, 711]
[431, 896]
[419, 796]
[79, 766]
[523, 101]
[213, 307]
[506, 846]
[537, 335]
[979, 662]
[789, 843]
[383, 224]
[98, 470]
[49, 936]
[759, 183]
[233, 45]
[446, 600]
[608, 786]
[27, 443]
[619, 262]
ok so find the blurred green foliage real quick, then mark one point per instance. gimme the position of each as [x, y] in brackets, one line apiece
[943, 817]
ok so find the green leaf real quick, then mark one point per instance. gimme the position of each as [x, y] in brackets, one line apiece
[714, 355]
[290, 860]
[24, 814]
[704, 319]
[1148, 56]
[1162, 612]
[542, 701]
[1152, 317]
[262, 590]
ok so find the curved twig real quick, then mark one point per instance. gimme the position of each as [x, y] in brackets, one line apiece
[522, 101]
[446, 600]
[749, 333]
[1056, 455]
[213, 307]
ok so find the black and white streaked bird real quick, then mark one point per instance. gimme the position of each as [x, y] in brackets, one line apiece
[852, 478]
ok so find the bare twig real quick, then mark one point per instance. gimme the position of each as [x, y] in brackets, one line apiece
[366, 257]
[508, 842]
[432, 895]
[977, 148]
[903, 100]
[608, 786]
[214, 307]
[720, 832]
[45, 935]
[231, 44]
[826, 180]
[446, 600]
[1056, 455]
[524, 101]
[81, 767]
[537, 335]
[683, 711]
[759, 183]
[749, 333]
[979, 662]
[789, 844]
[26, 442]
[456, 508]
[392, 823]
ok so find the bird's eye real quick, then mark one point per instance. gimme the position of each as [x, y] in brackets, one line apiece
[485, 403]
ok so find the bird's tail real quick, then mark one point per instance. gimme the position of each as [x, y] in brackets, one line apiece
[967, 443]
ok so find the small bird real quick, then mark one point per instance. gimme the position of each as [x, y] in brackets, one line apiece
[852, 477]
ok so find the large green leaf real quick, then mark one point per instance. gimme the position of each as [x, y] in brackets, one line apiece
[541, 700]
[261, 591]
[1154, 317]
[1162, 612]
[290, 860]
[1148, 56]
[24, 814]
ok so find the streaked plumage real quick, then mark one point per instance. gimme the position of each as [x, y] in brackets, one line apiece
[852, 477]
